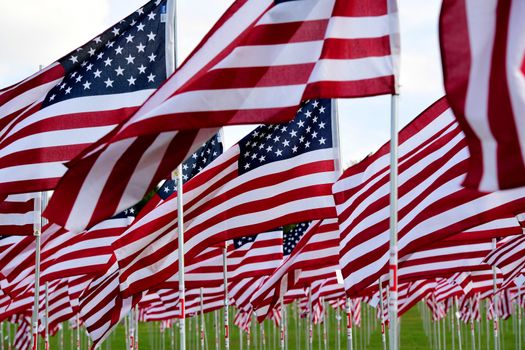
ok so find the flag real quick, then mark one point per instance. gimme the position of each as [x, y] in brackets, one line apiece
[51, 117]
[260, 60]
[19, 214]
[277, 175]
[483, 51]
[508, 257]
[432, 203]
[317, 248]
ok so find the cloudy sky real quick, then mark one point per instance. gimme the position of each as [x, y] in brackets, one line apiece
[39, 32]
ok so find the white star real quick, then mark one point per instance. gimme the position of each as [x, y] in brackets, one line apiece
[322, 141]
[115, 31]
[140, 27]
[129, 38]
[254, 155]
[74, 74]
[97, 40]
[300, 123]
[109, 83]
[119, 71]
[307, 144]
[62, 86]
[322, 109]
[247, 166]
[315, 119]
[284, 129]
[286, 143]
[261, 145]
[97, 73]
[314, 134]
[246, 155]
[141, 47]
[269, 149]
[185, 167]
[130, 59]
[118, 50]
[315, 103]
[68, 90]
[151, 36]
[321, 125]
[132, 210]
[79, 78]
[194, 156]
[293, 133]
[276, 138]
[140, 11]
[91, 51]
[100, 55]
[152, 57]
[308, 114]
[74, 59]
[89, 67]
[301, 139]
[166, 189]
[87, 85]
[262, 158]
[110, 44]
[151, 16]
[142, 69]
[131, 81]
[52, 97]
[83, 64]
[151, 78]
[108, 61]
[279, 153]
[308, 129]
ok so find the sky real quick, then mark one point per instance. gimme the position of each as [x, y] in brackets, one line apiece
[39, 32]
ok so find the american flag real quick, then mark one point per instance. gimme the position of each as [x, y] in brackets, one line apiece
[18, 214]
[233, 197]
[508, 257]
[433, 205]
[317, 248]
[52, 117]
[257, 64]
[483, 50]
[416, 291]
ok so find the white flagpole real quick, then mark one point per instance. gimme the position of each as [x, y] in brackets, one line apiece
[381, 313]
[78, 331]
[216, 319]
[349, 339]
[310, 326]
[458, 325]
[226, 318]
[283, 322]
[202, 318]
[37, 229]
[495, 301]
[519, 316]
[46, 319]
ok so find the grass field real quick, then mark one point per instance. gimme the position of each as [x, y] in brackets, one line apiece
[368, 336]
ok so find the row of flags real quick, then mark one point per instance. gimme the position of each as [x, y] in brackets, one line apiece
[104, 126]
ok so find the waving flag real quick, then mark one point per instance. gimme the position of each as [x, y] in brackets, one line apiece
[433, 205]
[256, 65]
[18, 214]
[483, 50]
[235, 196]
[50, 118]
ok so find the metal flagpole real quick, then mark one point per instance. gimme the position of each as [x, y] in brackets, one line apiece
[381, 313]
[472, 334]
[78, 331]
[283, 322]
[519, 316]
[495, 301]
[338, 320]
[136, 327]
[226, 318]
[393, 223]
[458, 325]
[46, 319]
[325, 321]
[131, 331]
[310, 328]
[37, 228]
[216, 319]
[349, 340]
[202, 318]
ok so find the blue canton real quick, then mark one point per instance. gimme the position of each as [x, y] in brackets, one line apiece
[194, 164]
[310, 130]
[128, 57]
[239, 242]
[291, 238]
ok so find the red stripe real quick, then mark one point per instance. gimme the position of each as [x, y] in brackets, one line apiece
[347, 49]
[510, 165]
[16, 230]
[286, 33]
[360, 8]
[8, 207]
[349, 89]
[50, 75]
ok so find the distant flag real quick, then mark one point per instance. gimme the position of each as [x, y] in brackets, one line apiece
[483, 51]
[48, 119]
[18, 214]
[277, 175]
[256, 65]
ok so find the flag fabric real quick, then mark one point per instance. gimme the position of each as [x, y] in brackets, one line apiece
[483, 51]
[18, 214]
[432, 203]
[50, 118]
[233, 196]
[508, 257]
[242, 72]
[316, 248]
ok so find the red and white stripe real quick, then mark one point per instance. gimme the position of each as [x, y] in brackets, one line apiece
[258, 50]
[220, 204]
[432, 203]
[509, 257]
[416, 291]
[317, 248]
[19, 213]
[483, 50]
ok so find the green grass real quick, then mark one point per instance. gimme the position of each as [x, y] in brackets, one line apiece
[368, 336]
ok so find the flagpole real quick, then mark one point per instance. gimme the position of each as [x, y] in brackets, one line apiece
[495, 301]
[381, 313]
[310, 327]
[458, 325]
[46, 319]
[283, 322]
[37, 228]
[226, 318]
[349, 339]
[519, 316]
[202, 318]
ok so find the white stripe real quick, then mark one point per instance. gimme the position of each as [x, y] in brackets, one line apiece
[351, 69]
[358, 27]
[272, 55]
[51, 170]
[481, 28]
[293, 11]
